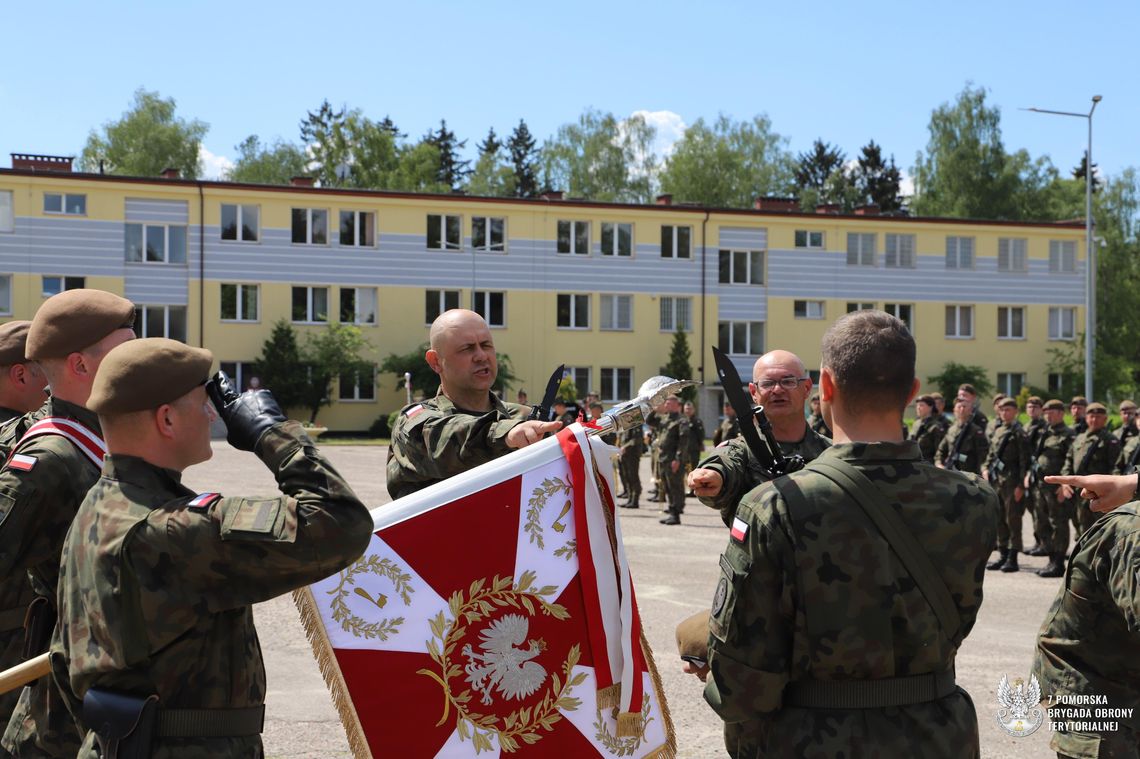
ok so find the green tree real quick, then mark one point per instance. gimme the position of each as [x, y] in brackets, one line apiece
[878, 182]
[567, 390]
[146, 140]
[679, 366]
[602, 158]
[954, 375]
[815, 167]
[1081, 169]
[491, 176]
[332, 353]
[267, 164]
[452, 170]
[280, 369]
[729, 164]
[524, 161]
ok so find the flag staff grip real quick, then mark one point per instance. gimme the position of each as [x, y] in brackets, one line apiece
[24, 673]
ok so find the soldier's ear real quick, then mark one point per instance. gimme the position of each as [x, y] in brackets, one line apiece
[826, 385]
[432, 358]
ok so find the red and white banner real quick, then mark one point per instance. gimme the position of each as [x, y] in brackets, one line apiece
[493, 615]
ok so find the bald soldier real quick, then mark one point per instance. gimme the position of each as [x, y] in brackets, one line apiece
[44, 480]
[465, 425]
[22, 382]
[157, 581]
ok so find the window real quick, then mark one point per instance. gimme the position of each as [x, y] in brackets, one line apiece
[310, 226]
[899, 253]
[860, 249]
[617, 239]
[617, 312]
[580, 376]
[959, 321]
[808, 309]
[1056, 383]
[240, 222]
[240, 303]
[358, 229]
[853, 307]
[1011, 254]
[742, 267]
[741, 338]
[1010, 383]
[676, 242]
[155, 243]
[1011, 322]
[676, 314]
[806, 238]
[574, 237]
[617, 384]
[359, 385]
[311, 305]
[959, 252]
[161, 321]
[54, 285]
[1062, 255]
[5, 294]
[904, 312]
[492, 306]
[242, 373]
[1062, 323]
[444, 232]
[7, 212]
[488, 233]
[438, 301]
[573, 311]
[69, 204]
[358, 305]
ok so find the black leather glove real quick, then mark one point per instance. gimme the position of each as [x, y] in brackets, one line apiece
[246, 415]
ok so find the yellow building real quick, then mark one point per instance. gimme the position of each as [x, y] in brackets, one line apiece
[599, 287]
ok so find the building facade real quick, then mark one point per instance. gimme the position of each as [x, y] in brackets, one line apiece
[599, 287]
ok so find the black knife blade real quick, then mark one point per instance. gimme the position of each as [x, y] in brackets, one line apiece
[542, 411]
[738, 399]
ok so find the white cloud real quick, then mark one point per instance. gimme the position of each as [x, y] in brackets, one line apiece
[213, 166]
[906, 183]
[670, 128]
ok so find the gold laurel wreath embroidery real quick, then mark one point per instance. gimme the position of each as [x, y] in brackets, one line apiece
[480, 602]
[539, 496]
[623, 746]
[359, 627]
[567, 551]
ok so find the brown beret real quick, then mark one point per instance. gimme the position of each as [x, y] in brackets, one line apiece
[1096, 408]
[1034, 400]
[1079, 400]
[13, 339]
[1054, 404]
[937, 395]
[1007, 402]
[693, 635]
[967, 388]
[1127, 405]
[144, 374]
[76, 319]
[927, 399]
[999, 396]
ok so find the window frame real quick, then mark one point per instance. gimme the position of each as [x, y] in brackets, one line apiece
[6, 307]
[442, 296]
[961, 308]
[144, 228]
[573, 372]
[958, 242]
[860, 254]
[807, 310]
[65, 203]
[614, 229]
[357, 218]
[356, 290]
[1007, 324]
[1007, 387]
[356, 396]
[488, 245]
[1017, 252]
[903, 258]
[1058, 250]
[731, 326]
[309, 212]
[573, 300]
[142, 319]
[239, 220]
[488, 306]
[445, 220]
[751, 257]
[614, 310]
[615, 382]
[1059, 335]
[239, 301]
[675, 313]
[892, 308]
[310, 308]
[63, 283]
[573, 237]
[7, 212]
[807, 236]
[674, 236]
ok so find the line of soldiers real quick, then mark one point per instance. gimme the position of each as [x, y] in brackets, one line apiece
[675, 437]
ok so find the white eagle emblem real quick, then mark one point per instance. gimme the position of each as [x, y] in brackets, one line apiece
[1020, 714]
[501, 665]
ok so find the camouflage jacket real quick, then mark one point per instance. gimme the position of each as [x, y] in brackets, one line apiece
[695, 443]
[632, 442]
[435, 439]
[1014, 462]
[15, 591]
[1124, 434]
[672, 440]
[928, 433]
[155, 593]
[971, 452]
[818, 425]
[1128, 455]
[1033, 428]
[1088, 645]
[728, 428]
[821, 595]
[1049, 453]
[1092, 453]
[740, 471]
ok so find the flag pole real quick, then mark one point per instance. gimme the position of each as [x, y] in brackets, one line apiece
[24, 673]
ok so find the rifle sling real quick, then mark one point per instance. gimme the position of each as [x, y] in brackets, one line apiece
[1084, 465]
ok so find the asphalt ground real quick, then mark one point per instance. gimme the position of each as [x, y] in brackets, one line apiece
[675, 571]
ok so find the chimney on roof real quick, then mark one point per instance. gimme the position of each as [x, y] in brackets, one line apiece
[776, 204]
[871, 209]
[665, 199]
[32, 162]
[833, 208]
[551, 195]
[303, 181]
[170, 173]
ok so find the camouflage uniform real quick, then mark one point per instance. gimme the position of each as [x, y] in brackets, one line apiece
[1127, 461]
[928, 433]
[653, 423]
[818, 594]
[1089, 644]
[1007, 463]
[969, 454]
[1091, 453]
[740, 471]
[1126, 433]
[156, 593]
[435, 439]
[37, 506]
[1049, 457]
[15, 591]
[671, 447]
[818, 425]
[1034, 430]
[632, 446]
[695, 442]
[979, 419]
[728, 428]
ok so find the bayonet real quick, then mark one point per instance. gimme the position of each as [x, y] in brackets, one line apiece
[542, 410]
[762, 442]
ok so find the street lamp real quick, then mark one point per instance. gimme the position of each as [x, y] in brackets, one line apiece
[1090, 253]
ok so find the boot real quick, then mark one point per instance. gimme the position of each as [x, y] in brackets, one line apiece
[632, 502]
[671, 519]
[1055, 567]
[1037, 550]
[999, 562]
[1011, 562]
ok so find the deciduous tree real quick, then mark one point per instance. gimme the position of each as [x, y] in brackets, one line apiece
[601, 158]
[147, 139]
[267, 164]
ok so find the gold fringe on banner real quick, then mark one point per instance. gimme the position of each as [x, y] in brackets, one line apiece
[330, 670]
[629, 725]
[609, 697]
[669, 750]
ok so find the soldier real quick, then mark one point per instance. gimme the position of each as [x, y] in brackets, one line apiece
[696, 440]
[671, 458]
[964, 447]
[993, 424]
[176, 622]
[1005, 468]
[926, 431]
[1127, 429]
[22, 382]
[1049, 455]
[944, 418]
[1129, 458]
[465, 424]
[521, 399]
[815, 419]
[43, 482]
[728, 428]
[653, 423]
[1034, 430]
[1077, 408]
[562, 413]
[834, 676]
[629, 460]
[1094, 451]
[970, 394]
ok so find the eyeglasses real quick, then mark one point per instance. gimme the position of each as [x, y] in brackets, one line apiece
[788, 383]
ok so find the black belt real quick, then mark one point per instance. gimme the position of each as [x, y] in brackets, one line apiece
[211, 723]
[869, 694]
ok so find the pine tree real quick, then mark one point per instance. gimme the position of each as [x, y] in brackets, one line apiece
[451, 170]
[490, 144]
[815, 166]
[524, 161]
[1080, 171]
[280, 367]
[679, 366]
[876, 181]
[390, 127]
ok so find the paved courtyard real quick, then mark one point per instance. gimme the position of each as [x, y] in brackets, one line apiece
[675, 572]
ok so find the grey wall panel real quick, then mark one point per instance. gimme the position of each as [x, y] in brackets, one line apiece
[742, 304]
[749, 238]
[156, 284]
[157, 211]
[75, 247]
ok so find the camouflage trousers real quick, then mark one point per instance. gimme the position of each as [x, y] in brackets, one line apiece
[1058, 516]
[1042, 529]
[674, 488]
[1123, 743]
[1009, 526]
[629, 463]
[42, 725]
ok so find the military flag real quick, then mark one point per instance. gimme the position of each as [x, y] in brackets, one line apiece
[494, 615]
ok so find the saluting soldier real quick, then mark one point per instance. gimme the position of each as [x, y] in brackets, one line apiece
[465, 424]
[157, 582]
[22, 382]
[926, 430]
[629, 460]
[1127, 428]
[815, 419]
[1049, 455]
[45, 478]
[964, 447]
[728, 428]
[1094, 451]
[1034, 430]
[1005, 468]
[671, 453]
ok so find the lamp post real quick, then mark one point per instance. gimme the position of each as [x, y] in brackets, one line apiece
[1090, 252]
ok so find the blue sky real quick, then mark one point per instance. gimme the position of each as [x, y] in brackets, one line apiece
[847, 72]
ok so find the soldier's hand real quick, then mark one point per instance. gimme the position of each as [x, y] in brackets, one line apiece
[522, 435]
[1064, 493]
[986, 474]
[1018, 493]
[1025, 482]
[674, 465]
[1104, 492]
[690, 668]
[705, 483]
[247, 416]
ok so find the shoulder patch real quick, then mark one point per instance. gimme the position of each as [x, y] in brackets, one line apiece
[202, 501]
[21, 462]
[414, 410]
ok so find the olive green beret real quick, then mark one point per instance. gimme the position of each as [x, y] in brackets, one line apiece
[937, 396]
[1034, 400]
[927, 399]
[13, 339]
[1079, 400]
[1127, 405]
[693, 635]
[76, 319]
[146, 373]
[999, 397]
[1096, 408]
[1054, 404]
[1007, 402]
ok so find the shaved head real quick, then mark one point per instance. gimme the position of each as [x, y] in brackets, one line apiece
[450, 321]
[784, 359]
[462, 353]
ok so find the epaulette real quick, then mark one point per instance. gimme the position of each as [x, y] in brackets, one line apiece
[203, 501]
